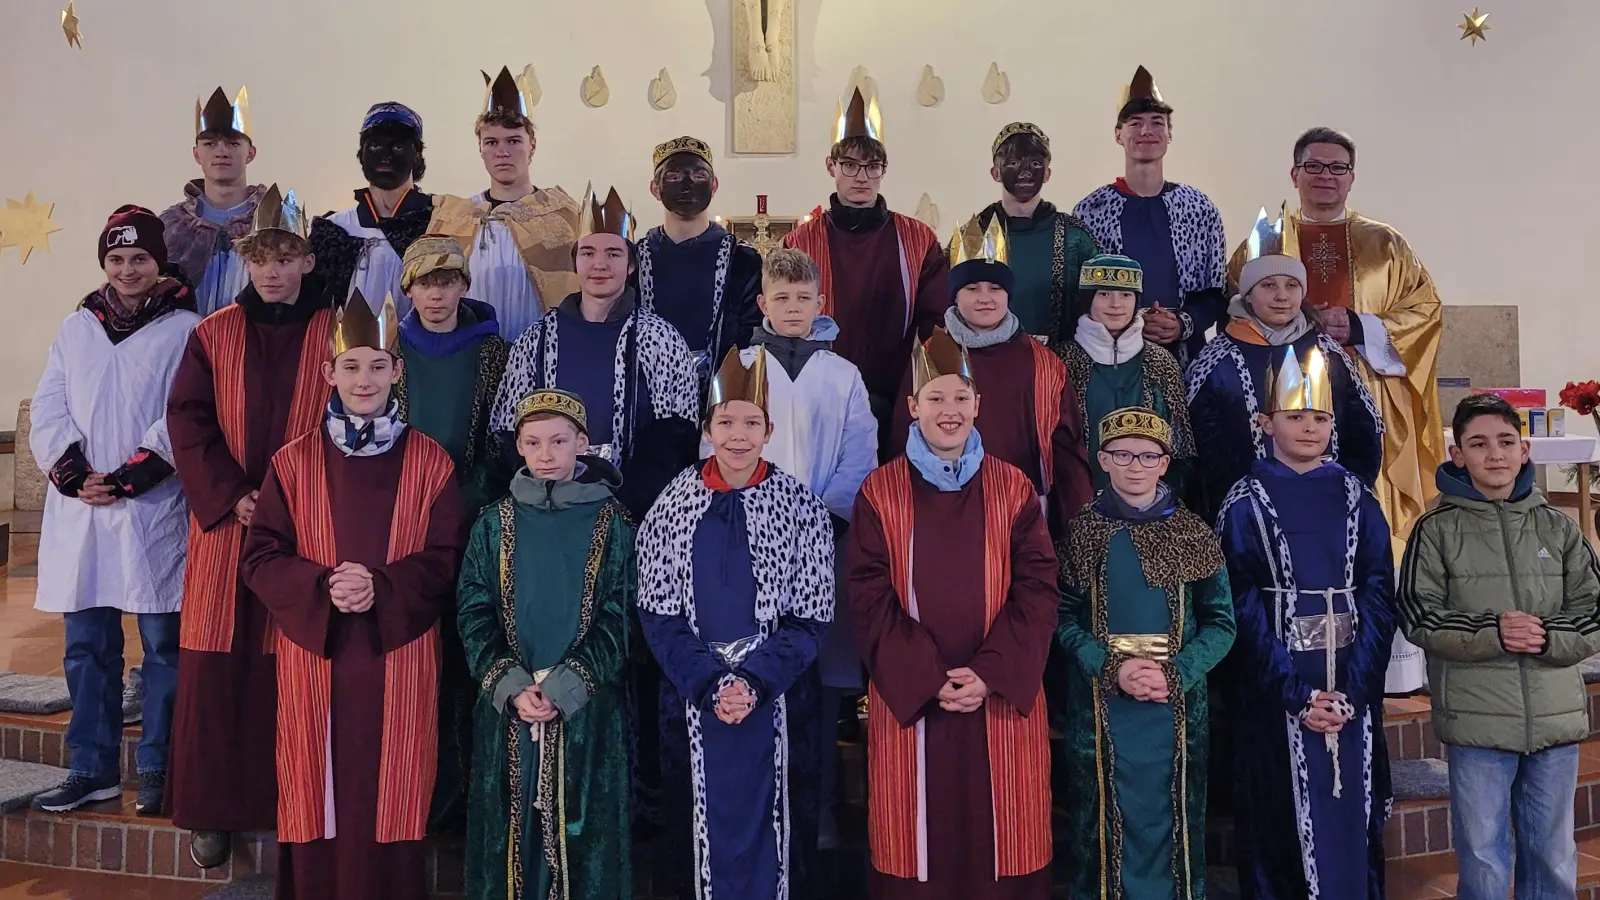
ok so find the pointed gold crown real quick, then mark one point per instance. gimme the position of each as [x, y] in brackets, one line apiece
[502, 93]
[610, 217]
[860, 119]
[735, 382]
[1135, 421]
[972, 241]
[939, 355]
[280, 212]
[354, 325]
[1142, 87]
[1294, 387]
[1269, 237]
[217, 114]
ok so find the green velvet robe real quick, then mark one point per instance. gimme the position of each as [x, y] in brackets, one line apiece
[1165, 576]
[1150, 379]
[448, 398]
[1048, 251]
[547, 589]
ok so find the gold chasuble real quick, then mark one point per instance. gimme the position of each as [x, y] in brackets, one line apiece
[544, 225]
[211, 580]
[1367, 267]
[1019, 751]
[410, 750]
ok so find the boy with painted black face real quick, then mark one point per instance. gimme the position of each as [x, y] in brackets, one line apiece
[360, 248]
[692, 272]
[1499, 590]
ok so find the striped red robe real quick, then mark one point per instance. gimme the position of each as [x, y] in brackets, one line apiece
[939, 580]
[358, 693]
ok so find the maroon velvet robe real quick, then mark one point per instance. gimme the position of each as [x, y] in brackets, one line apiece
[410, 593]
[868, 301]
[907, 660]
[1006, 383]
[223, 744]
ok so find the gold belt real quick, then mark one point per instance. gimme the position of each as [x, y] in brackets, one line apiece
[1311, 632]
[1154, 647]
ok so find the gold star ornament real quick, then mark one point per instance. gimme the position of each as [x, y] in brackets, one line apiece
[27, 226]
[1473, 27]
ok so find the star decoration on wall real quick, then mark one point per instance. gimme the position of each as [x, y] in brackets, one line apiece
[1473, 27]
[27, 226]
[69, 27]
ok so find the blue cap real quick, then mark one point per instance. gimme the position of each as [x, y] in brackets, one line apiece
[392, 112]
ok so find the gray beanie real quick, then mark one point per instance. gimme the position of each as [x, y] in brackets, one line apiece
[1263, 267]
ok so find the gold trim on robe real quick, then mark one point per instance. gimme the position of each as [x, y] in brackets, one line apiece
[1391, 283]
[544, 224]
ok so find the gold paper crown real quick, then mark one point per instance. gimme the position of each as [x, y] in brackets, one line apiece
[1293, 388]
[1016, 128]
[939, 355]
[735, 382]
[278, 211]
[860, 119]
[1142, 87]
[1269, 237]
[1135, 421]
[685, 144]
[354, 325]
[611, 217]
[501, 94]
[972, 241]
[558, 402]
[219, 115]
[431, 253]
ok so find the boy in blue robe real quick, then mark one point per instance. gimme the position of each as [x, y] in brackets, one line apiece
[1313, 585]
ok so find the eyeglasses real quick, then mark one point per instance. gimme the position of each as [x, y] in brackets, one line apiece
[1124, 458]
[851, 168]
[1312, 167]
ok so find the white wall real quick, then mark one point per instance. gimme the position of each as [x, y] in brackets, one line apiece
[1482, 155]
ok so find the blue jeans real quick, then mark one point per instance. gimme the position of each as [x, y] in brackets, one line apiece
[94, 679]
[1496, 797]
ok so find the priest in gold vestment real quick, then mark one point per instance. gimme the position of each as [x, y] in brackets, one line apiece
[1377, 299]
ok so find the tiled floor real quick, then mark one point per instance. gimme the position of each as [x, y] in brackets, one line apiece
[18, 881]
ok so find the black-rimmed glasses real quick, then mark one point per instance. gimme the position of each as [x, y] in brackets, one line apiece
[1124, 458]
[1312, 167]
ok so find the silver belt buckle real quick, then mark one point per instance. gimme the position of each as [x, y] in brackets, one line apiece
[1311, 632]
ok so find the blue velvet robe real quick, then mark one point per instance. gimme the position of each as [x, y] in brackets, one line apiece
[1285, 532]
[1228, 387]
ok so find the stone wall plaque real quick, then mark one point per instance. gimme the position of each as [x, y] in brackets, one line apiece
[765, 97]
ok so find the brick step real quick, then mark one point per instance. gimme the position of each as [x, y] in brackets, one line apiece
[25, 880]
[1433, 876]
[1408, 725]
[42, 739]
[110, 838]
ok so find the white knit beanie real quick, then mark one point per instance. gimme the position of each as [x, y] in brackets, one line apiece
[1263, 267]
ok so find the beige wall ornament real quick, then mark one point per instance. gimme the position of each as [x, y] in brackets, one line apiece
[996, 85]
[928, 213]
[663, 95]
[765, 95]
[594, 90]
[859, 79]
[528, 84]
[930, 90]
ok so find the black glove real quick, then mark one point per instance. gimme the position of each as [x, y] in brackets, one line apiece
[143, 471]
[71, 471]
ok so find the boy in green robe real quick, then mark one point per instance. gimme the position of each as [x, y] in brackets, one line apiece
[547, 580]
[1145, 614]
[1113, 366]
[454, 361]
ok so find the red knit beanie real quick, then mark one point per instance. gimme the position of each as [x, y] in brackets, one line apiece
[134, 226]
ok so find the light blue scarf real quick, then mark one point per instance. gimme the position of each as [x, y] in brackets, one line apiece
[941, 473]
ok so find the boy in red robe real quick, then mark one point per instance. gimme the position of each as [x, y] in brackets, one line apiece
[250, 379]
[354, 551]
[952, 586]
[883, 273]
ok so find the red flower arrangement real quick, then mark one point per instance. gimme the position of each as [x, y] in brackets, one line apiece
[1582, 397]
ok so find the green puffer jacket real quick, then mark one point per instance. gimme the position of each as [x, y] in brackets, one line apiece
[1470, 559]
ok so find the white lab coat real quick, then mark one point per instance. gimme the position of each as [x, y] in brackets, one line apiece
[378, 269]
[110, 400]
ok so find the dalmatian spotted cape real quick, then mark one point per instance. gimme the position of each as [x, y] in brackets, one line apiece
[762, 557]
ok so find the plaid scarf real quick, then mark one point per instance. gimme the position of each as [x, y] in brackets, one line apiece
[120, 322]
[355, 436]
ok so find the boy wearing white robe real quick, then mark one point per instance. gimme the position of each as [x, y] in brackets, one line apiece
[824, 434]
[114, 524]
